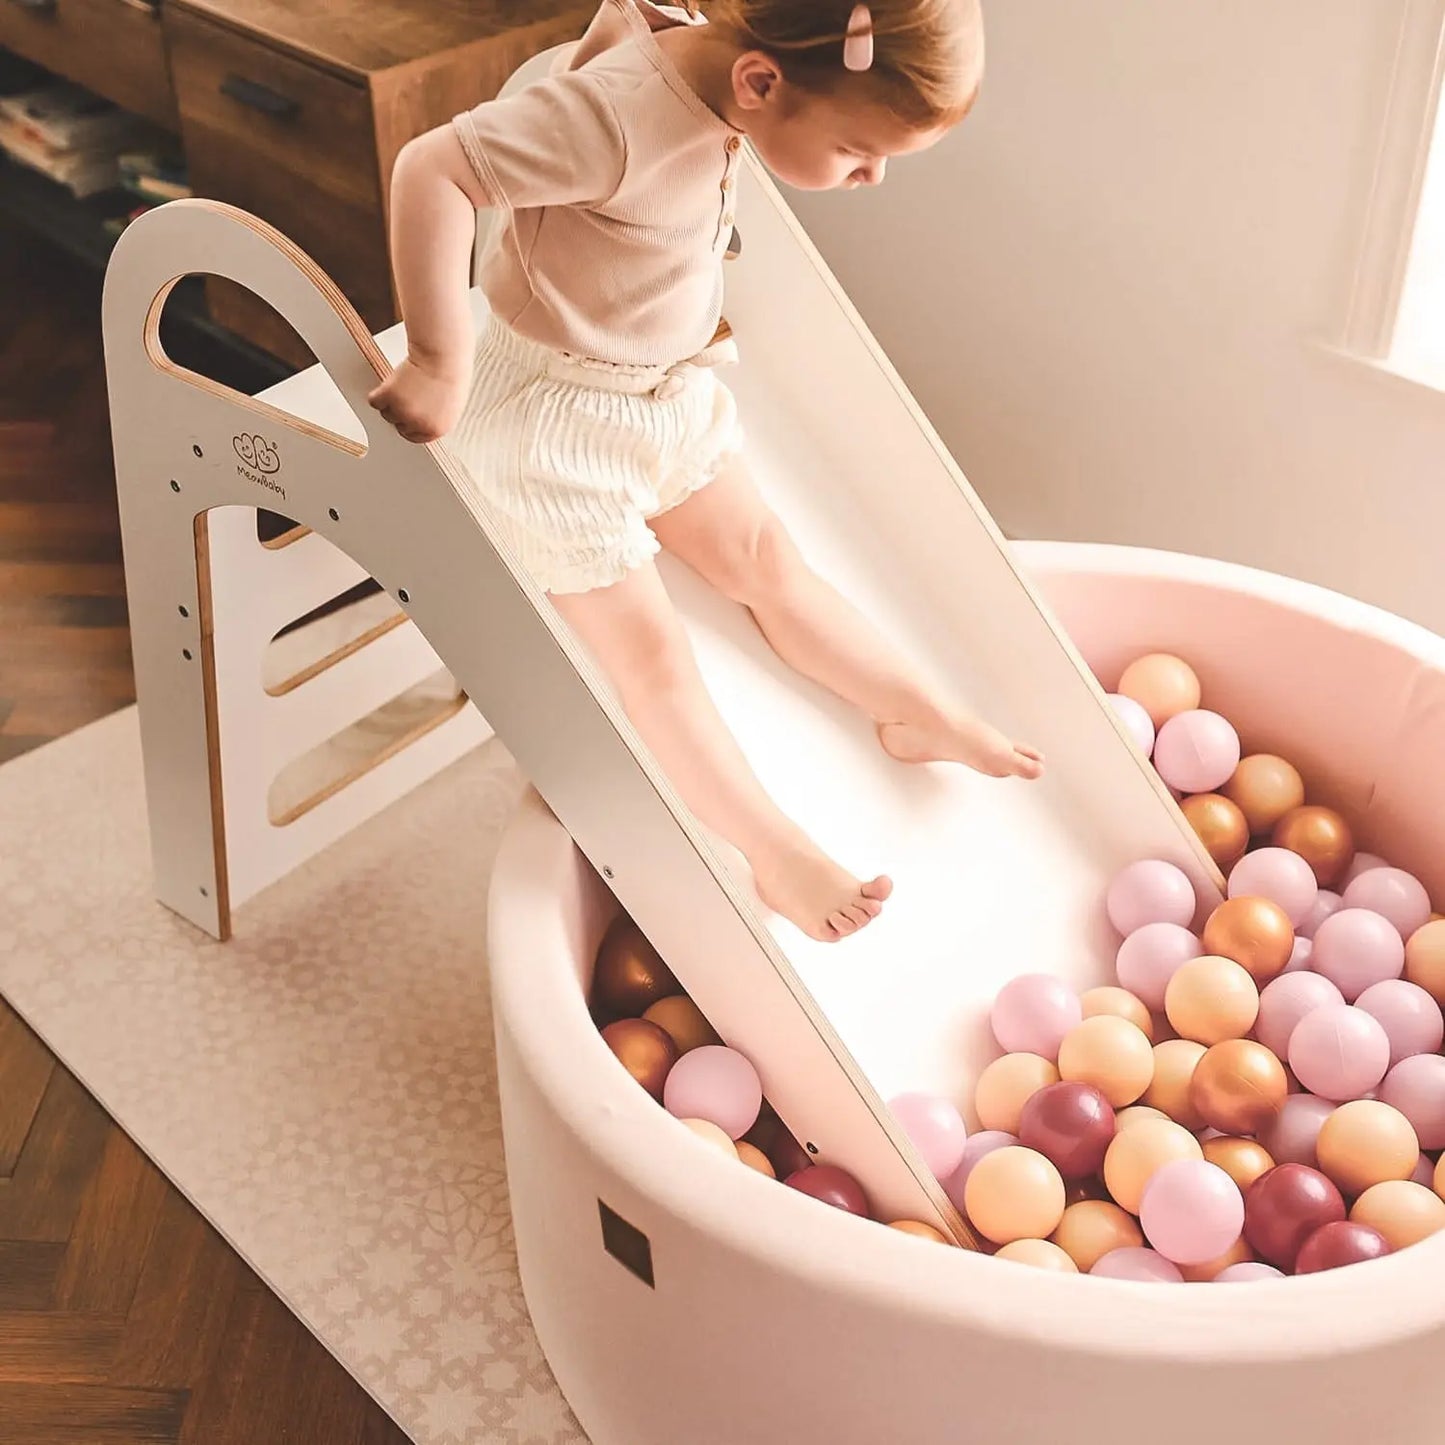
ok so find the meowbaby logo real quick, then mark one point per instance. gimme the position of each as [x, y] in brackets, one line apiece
[259, 461]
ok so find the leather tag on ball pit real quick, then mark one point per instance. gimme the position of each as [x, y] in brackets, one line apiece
[627, 1244]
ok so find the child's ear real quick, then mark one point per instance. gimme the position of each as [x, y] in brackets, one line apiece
[755, 79]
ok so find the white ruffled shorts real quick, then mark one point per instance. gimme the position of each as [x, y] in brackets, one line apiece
[573, 457]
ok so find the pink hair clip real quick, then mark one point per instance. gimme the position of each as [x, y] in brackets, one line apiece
[858, 44]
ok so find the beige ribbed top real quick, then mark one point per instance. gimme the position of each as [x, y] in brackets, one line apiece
[619, 185]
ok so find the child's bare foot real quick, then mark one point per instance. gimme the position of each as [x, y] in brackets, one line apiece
[807, 888]
[962, 739]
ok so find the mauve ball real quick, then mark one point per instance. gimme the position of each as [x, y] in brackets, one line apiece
[1293, 1134]
[1137, 722]
[1032, 1013]
[1327, 904]
[1339, 1052]
[1284, 1208]
[936, 1129]
[1279, 875]
[1416, 1087]
[1408, 1015]
[1340, 1243]
[1150, 891]
[1355, 948]
[1196, 751]
[1394, 894]
[1150, 957]
[831, 1185]
[1145, 1265]
[1285, 1001]
[1071, 1125]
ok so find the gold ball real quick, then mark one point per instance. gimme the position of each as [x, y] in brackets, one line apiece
[1006, 1085]
[1163, 685]
[1255, 932]
[1364, 1143]
[1425, 959]
[629, 975]
[1321, 837]
[644, 1050]
[923, 1231]
[1040, 1254]
[1239, 1087]
[681, 1019]
[1403, 1211]
[1264, 788]
[1238, 1253]
[1219, 825]
[1136, 1154]
[709, 1133]
[1244, 1160]
[1119, 1003]
[1211, 999]
[1111, 1054]
[1174, 1063]
[1014, 1193]
[1093, 1227]
[754, 1158]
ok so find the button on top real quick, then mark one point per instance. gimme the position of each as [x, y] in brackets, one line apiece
[735, 143]
[727, 183]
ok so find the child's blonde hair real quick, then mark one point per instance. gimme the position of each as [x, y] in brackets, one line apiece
[927, 54]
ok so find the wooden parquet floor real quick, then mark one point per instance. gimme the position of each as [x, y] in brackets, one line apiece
[125, 1319]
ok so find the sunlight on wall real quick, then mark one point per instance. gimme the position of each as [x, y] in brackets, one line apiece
[1419, 341]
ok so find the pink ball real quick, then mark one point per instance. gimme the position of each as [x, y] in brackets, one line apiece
[1196, 751]
[718, 1084]
[1150, 957]
[1284, 1001]
[1355, 948]
[1424, 1172]
[1136, 720]
[1416, 1087]
[984, 1142]
[1407, 1013]
[1279, 875]
[1032, 1013]
[1299, 956]
[1291, 1137]
[1243, 1273]
[1327, 902]
[936, 1128]
[1192, 1211]
[1361, 863]
[1150, 891]
[1145, 1265]
[1393, 894]
[1339, 1052]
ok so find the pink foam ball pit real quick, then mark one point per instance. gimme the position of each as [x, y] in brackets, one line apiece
[1197, 751]
[1393, 894]
[1279, 875]
[1355, 948]
[1150, 891]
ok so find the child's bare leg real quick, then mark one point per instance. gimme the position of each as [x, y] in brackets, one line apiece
[728, 534]
[634, 632]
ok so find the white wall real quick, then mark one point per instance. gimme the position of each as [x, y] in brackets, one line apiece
[1110, 289]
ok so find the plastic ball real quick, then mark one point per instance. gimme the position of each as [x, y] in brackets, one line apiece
[1291, 1138]
[1071, 1125]
[1365, 1143]
[1402, 1211]
[1031, 1015]
[1162, 684]
[1093, 1228]
[1137, 722]
[1191, 1212]
[1424, 1171]
[1408, 1015]
[1238, 1253]
[1416, 1087]
[1279, 875]
[1147, 1266]
[1006, 1085]
[1339, 1052]
[756, 1160]
[1112, 1055]
[711, 1135]
[1361, 863]
[1327, 904]
[1244, 1160]
[1299, 958]
[1354, 949]
[1014, 1194]
[1264, 788]
[1150, 956]
[1174, 1063]
[1119, 1003]
[1196, 751]
[1150, 891]
[831, 1185]
[1285, 1001]
[920, 1230]
[984, 1142]
[683, 1022]
[1211, 999]
[644, 1050]
[1425, 959]
[1040, 1254]
[1438, 1183]
[1321, 837]
[1255, 932]
[1219, 825]
[1284, 1208]
[630, 975]
[787, 1155]
[1393, 894]
[1138, 1153]
[936, 1129]
[1239, 1087]
[1244, 1273]
[1335, 1245]
[715, 1083]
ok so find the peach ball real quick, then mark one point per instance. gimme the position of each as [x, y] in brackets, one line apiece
[1110, 1053]
[1040, 1254]
[1403, 1211]
[709, 1133]
[1118, 1003]
[1211, 999]
[1244, 1160]
[1264, 788]
[754, 1158]
[1138, 1153]
[1255, 932]
[1174, 1064]
[1163, 685]
[920, 1230]
[1093, 1228]
[1014, 1193]
[1239, 1087]
[1006, 1085]
[1321, 837]
[1219, 825]
[1136, 1114]
[1425, 959]
[1364, 1143]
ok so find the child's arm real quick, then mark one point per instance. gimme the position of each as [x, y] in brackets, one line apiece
[435, 195]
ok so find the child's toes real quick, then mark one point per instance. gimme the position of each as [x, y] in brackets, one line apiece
[880, 888]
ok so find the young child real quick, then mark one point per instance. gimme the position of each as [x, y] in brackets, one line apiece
[590, 415]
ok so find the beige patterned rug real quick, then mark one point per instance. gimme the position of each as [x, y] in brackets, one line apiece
[322, 1087]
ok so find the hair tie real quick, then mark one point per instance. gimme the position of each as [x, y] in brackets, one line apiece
[858, 43]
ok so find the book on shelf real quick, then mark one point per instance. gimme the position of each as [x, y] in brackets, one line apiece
[65, 117]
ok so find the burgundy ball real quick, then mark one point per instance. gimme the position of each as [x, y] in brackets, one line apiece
[833, 1186]
[1071, 1125]
[1341, 1243]
[1286, 1205]
[786, 1155]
